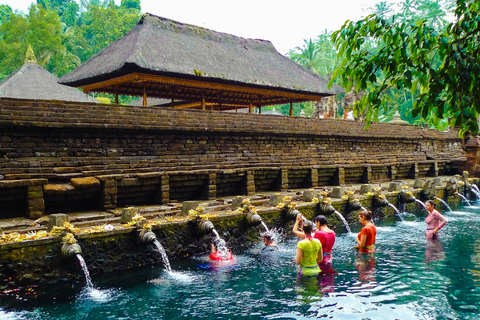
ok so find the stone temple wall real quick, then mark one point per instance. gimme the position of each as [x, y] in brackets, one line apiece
[60, 157]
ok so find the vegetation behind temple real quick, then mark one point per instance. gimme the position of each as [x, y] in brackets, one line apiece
[65, 33]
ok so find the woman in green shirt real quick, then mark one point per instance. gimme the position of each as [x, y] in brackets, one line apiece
[309, 251]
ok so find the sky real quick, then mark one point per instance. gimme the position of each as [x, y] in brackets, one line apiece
[285, 23]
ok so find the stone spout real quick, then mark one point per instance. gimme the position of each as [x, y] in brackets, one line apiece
[354, 205]
[205, 226]
[406, 197]
[147, 236]
[70, 250]
[380, 202]
[326, 209]
[292, 214]
[253, 219]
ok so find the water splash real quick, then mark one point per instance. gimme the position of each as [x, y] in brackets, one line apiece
[345, 223]
[221, 244]
[444, 203]
[423, 204]
[85, 271]
[396, 210]
[276, 234]
[463, 197]
[363, 208]
[160, 249]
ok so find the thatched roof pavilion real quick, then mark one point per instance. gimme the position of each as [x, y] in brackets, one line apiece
[163, 58]
[32, 81]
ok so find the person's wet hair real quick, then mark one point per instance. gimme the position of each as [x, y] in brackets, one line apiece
[431, 203]
[366, 214]
[321, 219]
[307, 227]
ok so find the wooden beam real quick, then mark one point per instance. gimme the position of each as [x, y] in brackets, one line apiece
[116, 94]
[133, 78]
[144, 95]
[290, 113]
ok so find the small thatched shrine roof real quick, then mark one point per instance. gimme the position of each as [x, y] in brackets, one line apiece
[31, 81]
[167, 59]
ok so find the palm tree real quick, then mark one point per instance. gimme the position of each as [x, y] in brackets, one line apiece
[308, 56]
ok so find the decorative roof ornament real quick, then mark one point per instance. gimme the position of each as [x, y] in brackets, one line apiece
[30, 55]
[397, 119]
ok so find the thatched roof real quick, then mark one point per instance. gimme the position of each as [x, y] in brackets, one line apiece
[164, 58]
[32, 81]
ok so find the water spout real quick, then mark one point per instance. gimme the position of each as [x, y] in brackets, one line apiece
[475, 187]
[204, 226]
[146, 236]
[463, 197]
[396, 210]
[406, 197]
[475, 191]
[253, 219]
[345, 223]
[421, 203]
[85, 271]
[265, 226]
[70, 249]
[444, 203]
[166, 262]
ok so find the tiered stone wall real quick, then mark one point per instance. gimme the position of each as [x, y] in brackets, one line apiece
[147, 155]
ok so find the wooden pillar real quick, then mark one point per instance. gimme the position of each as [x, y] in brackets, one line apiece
[259, 105]
[116, 94]
[290, 113]
[144, 95]
[203, 101]
[236, 109]
[250, 106]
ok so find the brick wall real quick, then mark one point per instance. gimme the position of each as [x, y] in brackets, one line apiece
[58, 141]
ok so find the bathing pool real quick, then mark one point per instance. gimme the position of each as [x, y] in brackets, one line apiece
[406, 279]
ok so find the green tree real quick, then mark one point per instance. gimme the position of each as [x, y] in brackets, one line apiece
[5, 13]
[103, 25]
[440, 68]
[131, 4]
[308, 55]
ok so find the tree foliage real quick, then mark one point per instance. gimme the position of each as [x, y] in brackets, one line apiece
[62, 33]
[437, 66]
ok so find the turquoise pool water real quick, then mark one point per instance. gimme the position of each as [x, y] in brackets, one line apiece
[407, 279]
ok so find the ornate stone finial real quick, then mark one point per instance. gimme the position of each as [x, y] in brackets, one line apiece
[397, 119]
[30, 56]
